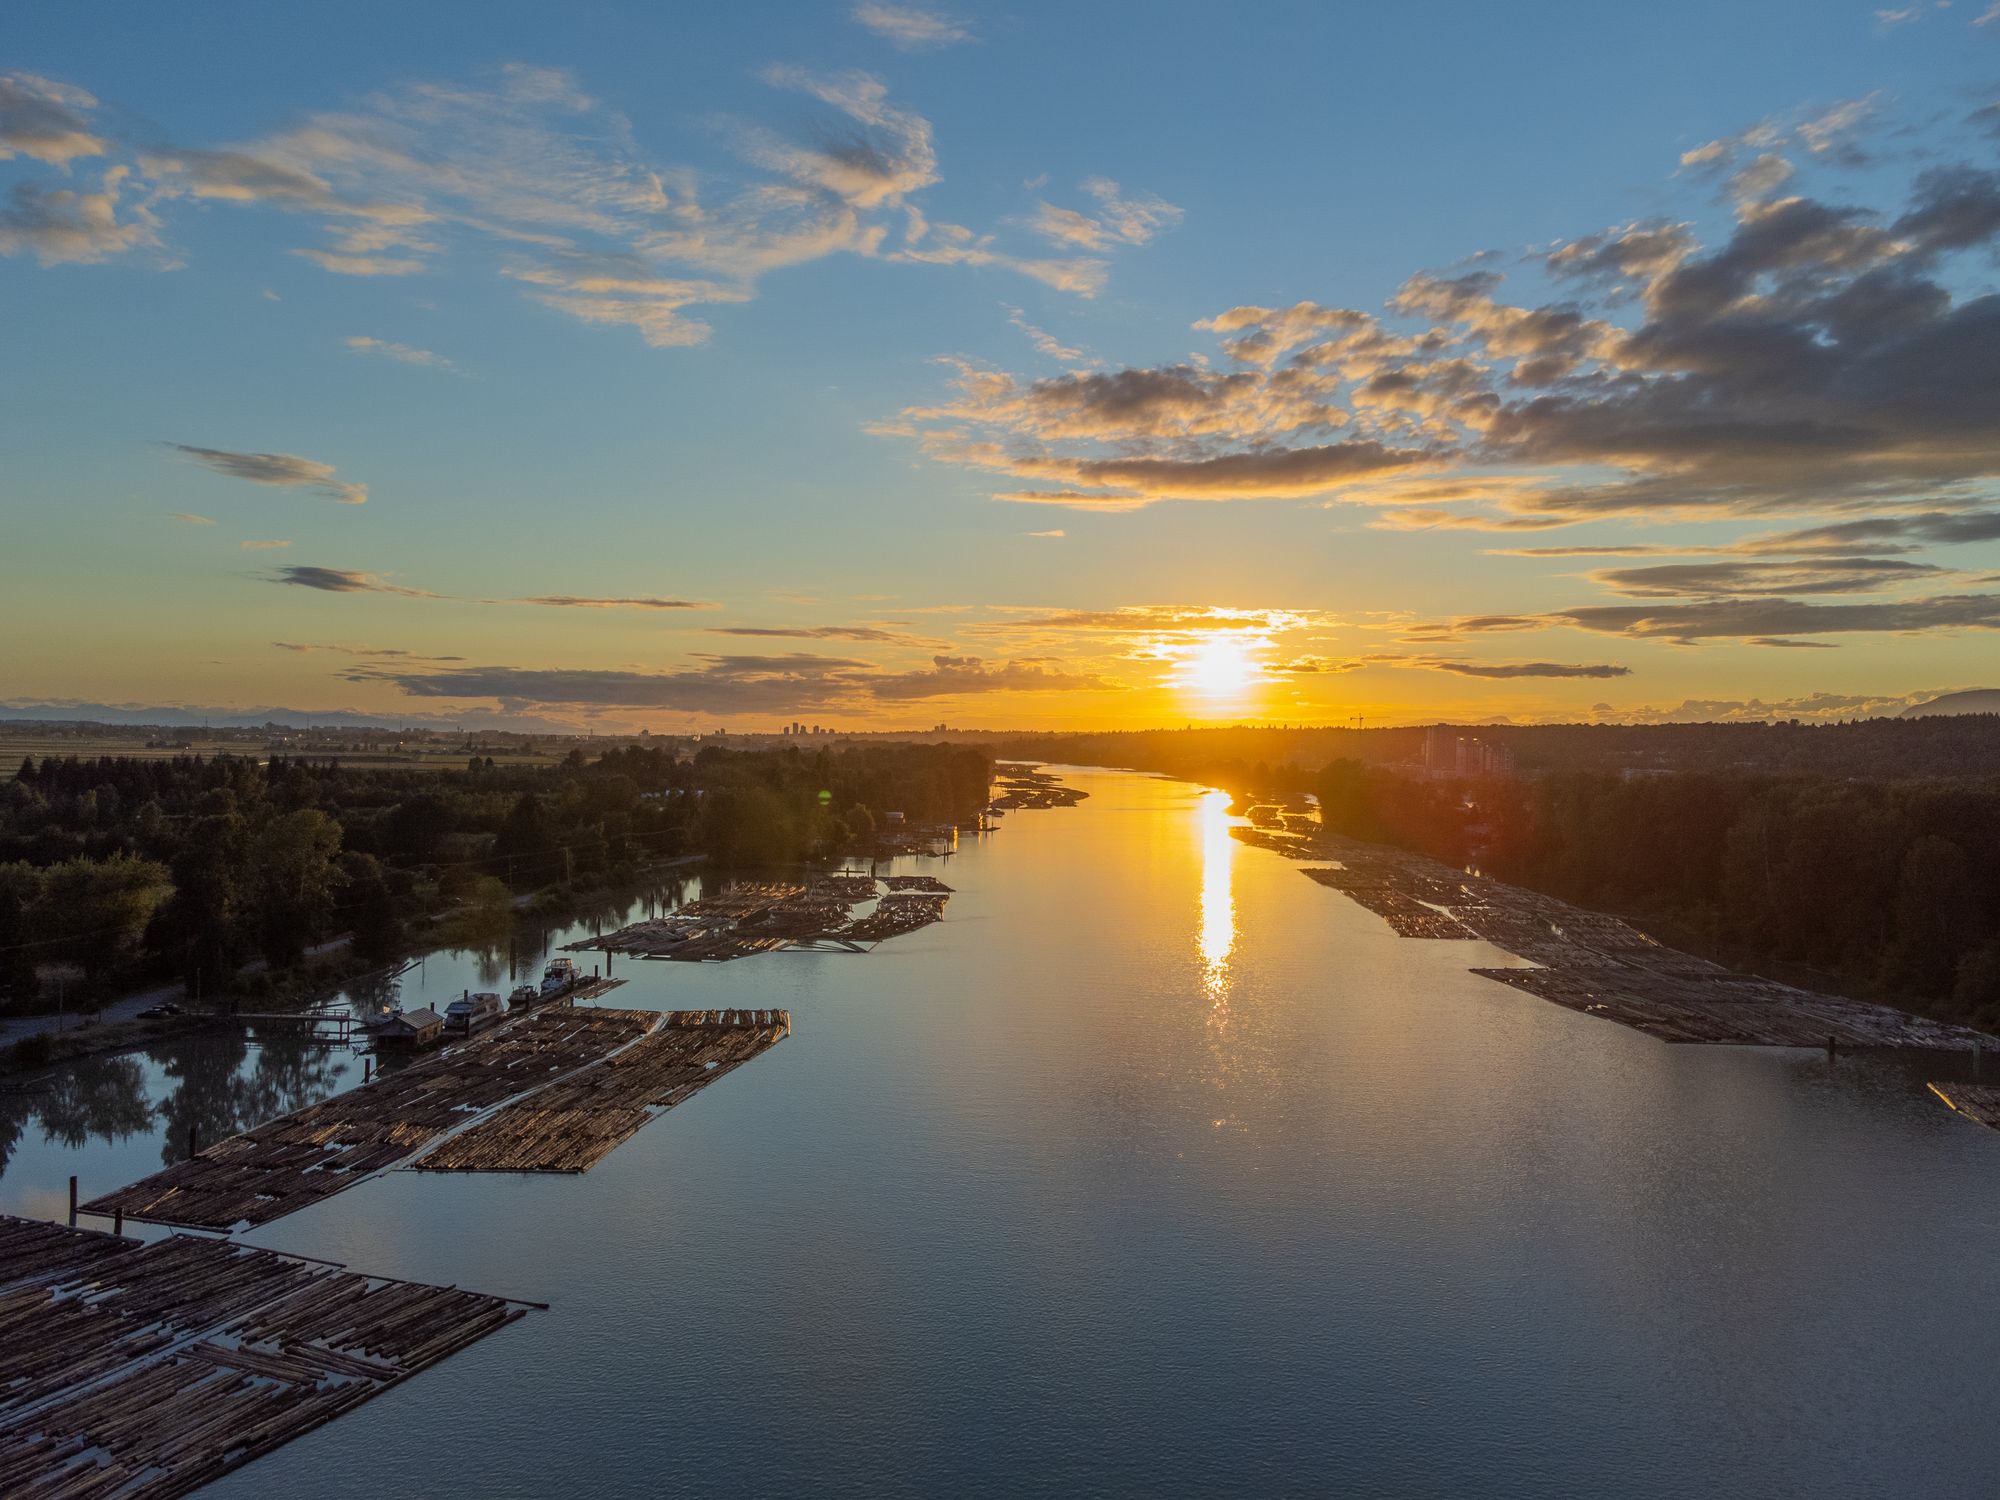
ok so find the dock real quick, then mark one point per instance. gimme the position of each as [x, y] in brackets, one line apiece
[148, 1370]
[290, 1163]
[1602, 965]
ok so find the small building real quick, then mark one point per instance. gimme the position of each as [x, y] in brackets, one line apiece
[411, 1028]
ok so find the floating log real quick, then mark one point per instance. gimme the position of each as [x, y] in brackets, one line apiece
[1602, 965]
[572, 1125]
[290, 1163]
[137, 1370]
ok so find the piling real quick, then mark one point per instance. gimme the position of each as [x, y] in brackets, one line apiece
[72, 1202]
[118, 1221]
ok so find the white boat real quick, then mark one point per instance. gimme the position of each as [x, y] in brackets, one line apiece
[524, 994]
[560, 975]
[472, 1011]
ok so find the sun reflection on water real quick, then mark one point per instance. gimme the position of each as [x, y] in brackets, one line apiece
[1218, 902]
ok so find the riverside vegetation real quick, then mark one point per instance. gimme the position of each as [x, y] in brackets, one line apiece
[119, 870]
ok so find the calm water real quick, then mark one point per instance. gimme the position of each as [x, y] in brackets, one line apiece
[1156, 1167]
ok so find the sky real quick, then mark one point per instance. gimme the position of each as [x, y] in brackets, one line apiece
[1031, 366]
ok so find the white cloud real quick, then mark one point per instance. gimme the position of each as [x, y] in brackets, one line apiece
[403, 353]
[909, 27]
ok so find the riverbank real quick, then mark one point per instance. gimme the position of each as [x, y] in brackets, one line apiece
[36, 1043]
[1600, 964]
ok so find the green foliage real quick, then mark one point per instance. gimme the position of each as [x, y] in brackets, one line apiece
[188, 866]
[1894, 886]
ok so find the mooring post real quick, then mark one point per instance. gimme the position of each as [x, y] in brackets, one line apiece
[117, 1221]
[72, 1202]
[1832, 1050]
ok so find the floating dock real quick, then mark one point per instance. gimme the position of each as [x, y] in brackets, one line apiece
[296, 1161]
[137, 1371]
[1602, 965]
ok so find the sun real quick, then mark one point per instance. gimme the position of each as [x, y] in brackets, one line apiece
[1220, 668]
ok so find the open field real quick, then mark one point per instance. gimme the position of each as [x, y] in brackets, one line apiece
[361, 753]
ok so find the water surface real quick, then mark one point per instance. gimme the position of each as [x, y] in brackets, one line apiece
[1156, 1167]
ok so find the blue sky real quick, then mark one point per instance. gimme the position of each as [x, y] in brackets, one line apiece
[615, 309]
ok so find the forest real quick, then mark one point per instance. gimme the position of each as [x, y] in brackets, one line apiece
[1964, 745]
[117, 869]
[1891, 887]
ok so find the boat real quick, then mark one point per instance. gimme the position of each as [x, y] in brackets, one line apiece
[387, 1012]
[524, 994]
[560, 975]
[470, 1011]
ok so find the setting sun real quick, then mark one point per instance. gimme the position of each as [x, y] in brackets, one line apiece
[1220, 668]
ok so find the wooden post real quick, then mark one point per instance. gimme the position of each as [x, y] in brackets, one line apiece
[367, 1068]
[117, 1221]
[72, 1202]
[1832, 1049]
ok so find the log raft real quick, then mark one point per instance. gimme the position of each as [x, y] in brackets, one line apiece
[763, 917]
[1601, 965]
[293, 1162]
[144, 1370]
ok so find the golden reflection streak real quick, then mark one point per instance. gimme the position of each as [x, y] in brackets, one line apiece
[1218, 902]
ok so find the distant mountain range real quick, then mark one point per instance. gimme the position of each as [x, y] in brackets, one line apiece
[1972, 701]
[256, 718]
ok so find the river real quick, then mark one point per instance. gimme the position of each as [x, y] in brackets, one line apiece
[1153, 1168]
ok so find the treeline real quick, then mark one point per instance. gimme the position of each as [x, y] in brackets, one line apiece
[1893, 886]
[1964, 745]
[116, 867]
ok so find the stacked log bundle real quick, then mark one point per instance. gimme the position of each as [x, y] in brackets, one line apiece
[1021, 789]
[572, 1125]
[289, 1163]
[135, 1370]
[1602, 965]
[1402, 911]
[760, 918]
[897, 913]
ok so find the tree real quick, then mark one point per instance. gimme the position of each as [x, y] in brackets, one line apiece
[94, 911]
[525, 843]
[200, 926]
[293, 880]
[373, 913]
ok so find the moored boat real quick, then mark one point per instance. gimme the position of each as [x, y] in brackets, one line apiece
[524, 994]
[472, 1011]
[560, 975]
